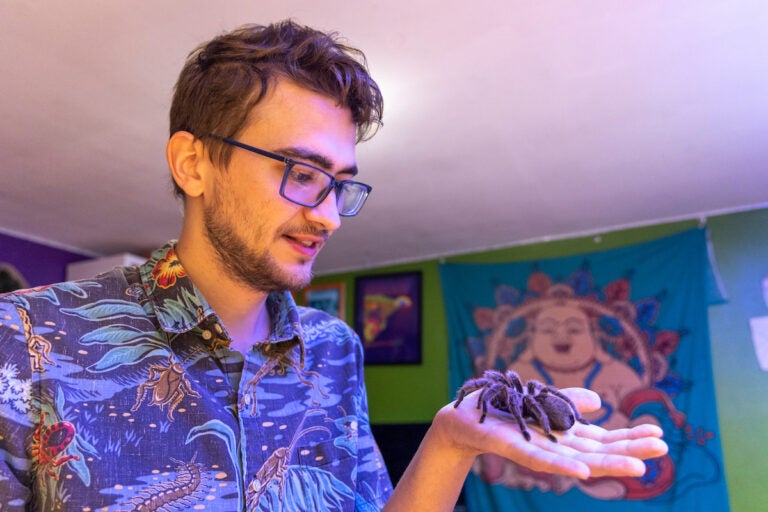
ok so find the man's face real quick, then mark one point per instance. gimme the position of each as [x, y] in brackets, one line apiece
[263, 240]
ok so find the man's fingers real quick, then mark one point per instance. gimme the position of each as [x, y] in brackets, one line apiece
[608, 436]
[642, 441]
[641, 448]
[541, 454]
[613, 465]
[585, 400]
[583, 457]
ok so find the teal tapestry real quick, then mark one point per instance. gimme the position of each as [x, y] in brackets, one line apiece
[630, 324]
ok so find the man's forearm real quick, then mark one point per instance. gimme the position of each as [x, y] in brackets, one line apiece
[434, 478]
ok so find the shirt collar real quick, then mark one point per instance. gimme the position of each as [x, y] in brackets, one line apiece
[180, 307]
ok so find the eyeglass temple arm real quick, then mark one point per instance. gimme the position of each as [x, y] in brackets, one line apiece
[246, 147]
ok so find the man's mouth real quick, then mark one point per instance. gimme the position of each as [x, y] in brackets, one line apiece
[307, 245]
[562, 348]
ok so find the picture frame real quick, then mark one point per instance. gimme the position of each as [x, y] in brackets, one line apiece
[388, 317]
[328, 297]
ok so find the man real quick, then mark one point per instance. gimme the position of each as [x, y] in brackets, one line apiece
[194, 382]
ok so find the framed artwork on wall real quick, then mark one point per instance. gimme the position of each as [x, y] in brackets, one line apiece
[388, 317]
[326, 297]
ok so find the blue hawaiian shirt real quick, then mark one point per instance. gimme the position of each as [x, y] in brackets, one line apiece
[120, 393]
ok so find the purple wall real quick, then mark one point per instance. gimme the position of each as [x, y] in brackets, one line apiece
[39, 264]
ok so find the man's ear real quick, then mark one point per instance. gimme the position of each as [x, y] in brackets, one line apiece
[187, 161]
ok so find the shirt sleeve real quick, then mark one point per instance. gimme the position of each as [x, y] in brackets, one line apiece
[374, 486]
[15, 407]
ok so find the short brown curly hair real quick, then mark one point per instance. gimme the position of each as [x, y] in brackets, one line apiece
[223, 79]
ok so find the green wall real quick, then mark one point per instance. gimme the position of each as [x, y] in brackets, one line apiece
[741, 249]
[412, 394]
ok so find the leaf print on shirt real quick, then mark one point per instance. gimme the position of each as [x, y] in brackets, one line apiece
[107, 309]
[132, 345]
[185, 308]
[49, 292]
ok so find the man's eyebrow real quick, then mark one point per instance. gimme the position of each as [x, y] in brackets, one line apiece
[319, 160]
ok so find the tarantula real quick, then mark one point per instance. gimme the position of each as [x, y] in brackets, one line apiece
[544, 405]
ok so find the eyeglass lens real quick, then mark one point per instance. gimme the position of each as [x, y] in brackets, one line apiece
[309, 187]
[351, 198]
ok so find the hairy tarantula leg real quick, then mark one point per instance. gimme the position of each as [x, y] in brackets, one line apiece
[468, 387]
[485, 412]
[460, 398]
[567, 400]
[515, 405]
[482, 403]
[515, 380]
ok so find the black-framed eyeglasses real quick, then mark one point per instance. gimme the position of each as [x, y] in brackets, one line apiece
[307, 185]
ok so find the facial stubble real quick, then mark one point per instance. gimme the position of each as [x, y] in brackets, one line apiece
[242, 260]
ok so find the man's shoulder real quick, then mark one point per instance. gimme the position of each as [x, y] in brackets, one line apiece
[30, 311]
[318, 325]
[62, 294]
[313, 315]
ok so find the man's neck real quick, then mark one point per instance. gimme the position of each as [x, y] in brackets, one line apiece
[241, 309]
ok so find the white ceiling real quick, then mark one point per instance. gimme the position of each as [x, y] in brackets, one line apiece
[506, 121]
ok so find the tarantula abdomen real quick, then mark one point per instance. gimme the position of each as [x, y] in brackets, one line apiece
[527, 402]
[559, 412]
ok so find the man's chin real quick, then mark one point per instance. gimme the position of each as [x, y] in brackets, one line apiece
[297, 277]
[270, 276]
